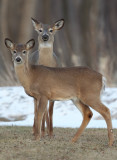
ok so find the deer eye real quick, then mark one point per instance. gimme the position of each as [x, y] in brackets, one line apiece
[51, 30]
[40, 30]
[24, 52]
[14, 51]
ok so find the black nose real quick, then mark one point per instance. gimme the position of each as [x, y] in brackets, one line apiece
[45, 37]
[18, 59]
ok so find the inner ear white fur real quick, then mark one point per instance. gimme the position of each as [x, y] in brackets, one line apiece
[30, 44]
[59, 24]
[36, 24]
[9, 44]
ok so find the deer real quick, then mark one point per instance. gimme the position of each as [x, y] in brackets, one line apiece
[46, 56]
[80, 84]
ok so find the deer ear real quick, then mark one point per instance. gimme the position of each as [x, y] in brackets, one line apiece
[30, 44]
[59, 24]
[36, 24]
[9, 44]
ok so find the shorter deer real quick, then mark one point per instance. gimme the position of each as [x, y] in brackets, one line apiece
[79, 84]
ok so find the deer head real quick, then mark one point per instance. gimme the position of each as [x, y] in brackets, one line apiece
[19, 51]
[46, 32]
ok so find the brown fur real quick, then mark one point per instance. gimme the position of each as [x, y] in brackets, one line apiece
[47, 58]
[80, 84]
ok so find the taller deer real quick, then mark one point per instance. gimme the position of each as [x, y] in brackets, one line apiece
[80, 84]
[47, 57]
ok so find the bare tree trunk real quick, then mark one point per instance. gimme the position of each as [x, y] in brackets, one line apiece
[88, 38]
[28, 11]
[7, 74]
[107, 40]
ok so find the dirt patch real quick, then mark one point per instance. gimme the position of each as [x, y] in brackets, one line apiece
[18, 143]
[13, 118]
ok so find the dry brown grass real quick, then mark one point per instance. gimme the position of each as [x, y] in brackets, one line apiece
[17, 143]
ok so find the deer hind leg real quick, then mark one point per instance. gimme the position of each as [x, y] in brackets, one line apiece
[39, 115]
[87, 115]
[105, 112]
[51, 105]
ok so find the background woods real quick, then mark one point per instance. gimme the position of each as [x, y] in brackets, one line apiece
[88, 38]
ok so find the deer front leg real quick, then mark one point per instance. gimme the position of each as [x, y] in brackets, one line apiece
[39, 115]
[36, 102]
[45, 119]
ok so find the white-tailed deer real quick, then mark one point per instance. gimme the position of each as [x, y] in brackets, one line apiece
[46, 56]
[79, 84]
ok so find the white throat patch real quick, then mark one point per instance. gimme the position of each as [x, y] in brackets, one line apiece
[45, 45]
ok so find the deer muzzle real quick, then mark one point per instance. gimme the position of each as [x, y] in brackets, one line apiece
[18, 59]
[45, 37]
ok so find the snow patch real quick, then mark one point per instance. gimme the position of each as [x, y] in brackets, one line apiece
[17, 108]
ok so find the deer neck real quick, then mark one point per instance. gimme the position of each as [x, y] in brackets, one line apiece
[45, 53]
[23, 74]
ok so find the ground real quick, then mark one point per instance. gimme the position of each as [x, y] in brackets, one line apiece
[17, 143]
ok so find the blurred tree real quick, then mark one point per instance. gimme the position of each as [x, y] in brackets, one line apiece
[89, 36]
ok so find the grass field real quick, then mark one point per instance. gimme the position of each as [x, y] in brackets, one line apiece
[17, 143]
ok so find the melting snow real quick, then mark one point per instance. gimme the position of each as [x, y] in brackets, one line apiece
[16, 108]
